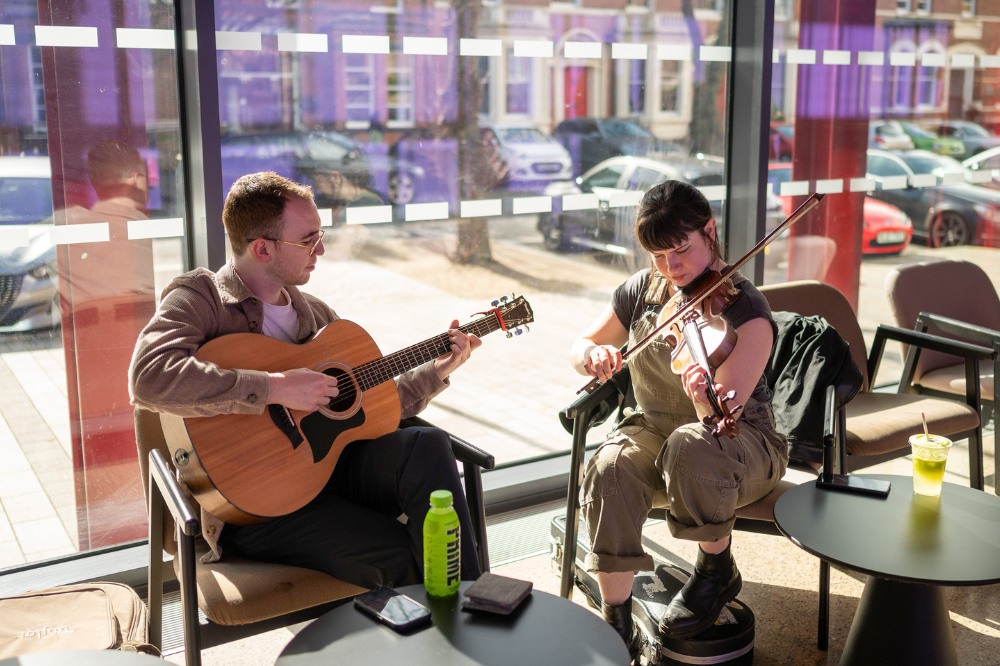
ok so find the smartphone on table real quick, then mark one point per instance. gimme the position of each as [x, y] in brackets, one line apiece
[393, 608]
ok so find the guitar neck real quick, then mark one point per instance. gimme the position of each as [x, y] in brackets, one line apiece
[392, 365]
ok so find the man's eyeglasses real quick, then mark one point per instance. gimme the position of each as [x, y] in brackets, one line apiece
[309, 246]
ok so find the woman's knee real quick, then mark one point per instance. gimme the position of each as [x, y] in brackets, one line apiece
[684, 445]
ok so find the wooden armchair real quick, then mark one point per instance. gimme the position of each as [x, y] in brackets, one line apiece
[238, 597]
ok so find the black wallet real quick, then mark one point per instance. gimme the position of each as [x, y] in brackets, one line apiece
[496, 594]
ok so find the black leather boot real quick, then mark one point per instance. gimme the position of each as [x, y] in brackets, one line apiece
[620, 618]
[716, 581]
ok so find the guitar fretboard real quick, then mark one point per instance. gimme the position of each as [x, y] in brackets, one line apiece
[392, 365]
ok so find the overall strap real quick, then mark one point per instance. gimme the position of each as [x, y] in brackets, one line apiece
[657, 290]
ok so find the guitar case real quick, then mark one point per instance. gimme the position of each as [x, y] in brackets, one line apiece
[729, 641]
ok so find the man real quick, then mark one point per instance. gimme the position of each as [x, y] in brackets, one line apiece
[366, 525]
[107, 287]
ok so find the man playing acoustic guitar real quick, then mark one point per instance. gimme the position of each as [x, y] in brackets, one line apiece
[364, 526]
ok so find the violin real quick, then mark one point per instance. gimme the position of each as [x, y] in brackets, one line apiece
[705, 338]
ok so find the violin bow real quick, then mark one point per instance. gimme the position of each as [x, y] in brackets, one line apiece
[811, 202]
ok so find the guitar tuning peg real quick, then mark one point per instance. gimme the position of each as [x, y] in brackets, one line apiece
[495, 303]
[518, 331]
[503, 299]
[526, 329]
[509, 335]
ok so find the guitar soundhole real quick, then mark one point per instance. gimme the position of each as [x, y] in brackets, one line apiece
[348, 395]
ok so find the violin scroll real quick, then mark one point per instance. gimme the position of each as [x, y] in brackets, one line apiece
[722, 420]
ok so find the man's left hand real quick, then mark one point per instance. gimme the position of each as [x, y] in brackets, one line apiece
[462, 345]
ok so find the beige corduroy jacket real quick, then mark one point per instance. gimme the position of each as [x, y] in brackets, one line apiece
[200, 305]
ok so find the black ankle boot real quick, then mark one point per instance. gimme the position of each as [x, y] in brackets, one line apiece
[716, 581]
[620, 618]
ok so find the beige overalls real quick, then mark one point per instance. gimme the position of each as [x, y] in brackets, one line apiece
[661, 455]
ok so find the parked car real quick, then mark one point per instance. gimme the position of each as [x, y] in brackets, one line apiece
[888, 135]
[619, 183]
[593, 140]
[782, 141]
[988, 160]
[947, 213]
[532, 158]
[924, 139]
[974, 137]
[29, 288]
[298, 155]
[885, 228]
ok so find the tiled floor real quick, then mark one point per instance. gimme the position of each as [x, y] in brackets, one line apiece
[780, 586]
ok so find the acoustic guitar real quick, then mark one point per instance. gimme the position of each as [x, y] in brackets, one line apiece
[247, 468]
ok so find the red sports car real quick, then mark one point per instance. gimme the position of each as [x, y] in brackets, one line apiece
[886, 230]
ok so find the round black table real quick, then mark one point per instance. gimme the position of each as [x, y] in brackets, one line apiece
[909, 545]
[545, 629]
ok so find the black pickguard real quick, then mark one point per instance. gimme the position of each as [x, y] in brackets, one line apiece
[321, 431]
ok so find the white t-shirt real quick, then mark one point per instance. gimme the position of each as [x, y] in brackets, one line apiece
[281, 321]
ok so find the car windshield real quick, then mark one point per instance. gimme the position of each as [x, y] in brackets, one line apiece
[624, 129]
[889, 129]
[930, 163]
[915, 130]
[25, 200]
[521, 135]
[973, 130]
[328, 146]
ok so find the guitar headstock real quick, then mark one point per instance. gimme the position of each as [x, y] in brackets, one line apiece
[514, 315]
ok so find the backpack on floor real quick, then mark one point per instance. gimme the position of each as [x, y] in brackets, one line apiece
[98, 616]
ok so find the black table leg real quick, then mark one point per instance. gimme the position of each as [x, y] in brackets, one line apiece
[900, 623]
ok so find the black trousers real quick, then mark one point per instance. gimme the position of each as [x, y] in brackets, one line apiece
[354, 528]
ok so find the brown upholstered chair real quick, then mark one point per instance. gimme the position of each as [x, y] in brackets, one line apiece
[876, 425]
[955, 299]
[238, 597]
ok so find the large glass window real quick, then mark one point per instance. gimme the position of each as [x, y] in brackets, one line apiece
[438, 213]
[91, 224]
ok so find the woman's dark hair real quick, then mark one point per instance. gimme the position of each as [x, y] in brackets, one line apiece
[670, 211]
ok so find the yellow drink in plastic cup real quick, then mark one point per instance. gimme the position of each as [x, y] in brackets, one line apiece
[930, 453]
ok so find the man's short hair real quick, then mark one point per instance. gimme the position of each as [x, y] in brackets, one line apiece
[255, 205]
[113, 162]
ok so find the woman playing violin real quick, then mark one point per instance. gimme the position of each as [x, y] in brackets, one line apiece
[662, 453]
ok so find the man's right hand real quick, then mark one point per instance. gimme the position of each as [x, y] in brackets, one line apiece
[301, 389]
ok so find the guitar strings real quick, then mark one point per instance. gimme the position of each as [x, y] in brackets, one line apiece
[382, 369]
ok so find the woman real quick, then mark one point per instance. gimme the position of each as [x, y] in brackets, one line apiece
[662, 454]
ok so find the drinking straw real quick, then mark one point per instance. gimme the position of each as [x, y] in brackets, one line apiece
[924, 419]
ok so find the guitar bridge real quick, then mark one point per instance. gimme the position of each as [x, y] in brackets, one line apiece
[283, 420]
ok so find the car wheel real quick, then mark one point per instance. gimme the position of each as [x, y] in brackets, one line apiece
[553, 234]
[402, 188]
[948, 230]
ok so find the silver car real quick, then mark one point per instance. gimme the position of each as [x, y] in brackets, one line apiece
[29, 290]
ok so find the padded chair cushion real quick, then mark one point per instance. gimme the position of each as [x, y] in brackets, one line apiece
[928, 286]
[874, 420]
[237, 591]
[952, 380]
[812, 298]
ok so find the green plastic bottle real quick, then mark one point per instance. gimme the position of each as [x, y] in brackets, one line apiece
[442, 546]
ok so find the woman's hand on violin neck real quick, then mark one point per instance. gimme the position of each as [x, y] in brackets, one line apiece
[695, 380]
[602, 361]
